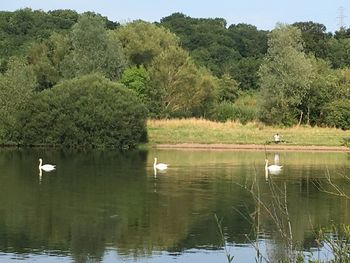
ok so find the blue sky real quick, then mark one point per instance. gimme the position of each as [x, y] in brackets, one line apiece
[262, 13]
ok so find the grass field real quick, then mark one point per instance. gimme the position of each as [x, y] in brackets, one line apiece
[207, 132]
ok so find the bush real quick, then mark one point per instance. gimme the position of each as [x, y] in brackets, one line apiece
[86, 111]
[346, 142]
[243, 110]
[337, 114]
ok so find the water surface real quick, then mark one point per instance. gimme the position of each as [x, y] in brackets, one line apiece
[106, 206]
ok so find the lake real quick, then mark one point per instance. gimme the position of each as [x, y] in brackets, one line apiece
[106, 206]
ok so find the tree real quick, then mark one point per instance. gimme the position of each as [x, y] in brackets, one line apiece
[236, 50]
[181, 89]
[323, 89]
[314, 38]
[20, 28]
[337, 114]
[93, 50]
[245, 71]
[16, 88]
[206, 39]
[89, 110]
[338, 52]
[228, 89]
[47, 75]
[142, 41]
[174, 75]
[248, 40]
[205, 96]
[285, 77]
[138, 80]
[343, 90]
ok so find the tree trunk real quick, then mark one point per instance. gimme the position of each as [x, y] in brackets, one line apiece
[301, 118]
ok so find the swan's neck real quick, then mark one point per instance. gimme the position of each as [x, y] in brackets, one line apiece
[155, 162]
[266, 164]
[40, 163]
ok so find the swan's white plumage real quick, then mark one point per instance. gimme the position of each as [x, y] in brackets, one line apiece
[159, 166]
[46, 167]
[273, 167]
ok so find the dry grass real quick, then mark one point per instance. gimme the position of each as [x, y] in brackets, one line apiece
[205, 131]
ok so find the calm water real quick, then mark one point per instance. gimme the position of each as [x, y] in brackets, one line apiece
[103, 206]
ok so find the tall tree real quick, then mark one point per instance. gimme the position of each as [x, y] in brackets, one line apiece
[180, 86]
[16, 88]
[314, 37]
[338, 52]
[142, 41]
[323, 89]
[285, 77]
[94, 50]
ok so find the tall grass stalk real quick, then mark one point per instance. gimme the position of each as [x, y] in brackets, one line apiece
[229, 257]
[275, 207]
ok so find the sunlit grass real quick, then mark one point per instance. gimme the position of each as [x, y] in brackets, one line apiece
[208, 132]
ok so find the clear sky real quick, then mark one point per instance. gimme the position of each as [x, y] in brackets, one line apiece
[264, 14]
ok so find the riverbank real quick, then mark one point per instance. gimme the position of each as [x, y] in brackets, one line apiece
[252, 147]
[199, 133]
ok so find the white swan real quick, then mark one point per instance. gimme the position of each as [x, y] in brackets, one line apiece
[46, 167]
[159, 166]
[273, 167]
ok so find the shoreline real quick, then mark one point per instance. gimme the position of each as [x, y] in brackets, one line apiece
[252, 147]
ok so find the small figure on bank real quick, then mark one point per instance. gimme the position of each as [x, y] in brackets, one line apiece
[276, 138]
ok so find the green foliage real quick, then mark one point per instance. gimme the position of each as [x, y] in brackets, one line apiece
[16, 88]
[323, 89]
[314, 37]
[46, 73]
[142, 41]
[88, 111]
[221, 49]
[346, 142]
[337, 114]
[207, 40]
[338, 53]
[304, 69]
[205, 95]
[248, 40]
[21, 27]
[285, 76]
[223, 111]
[138, 80]
[180, 88]
[228, 89]
[174, 76]
[245, 71]
[243, 110]
[93, 50]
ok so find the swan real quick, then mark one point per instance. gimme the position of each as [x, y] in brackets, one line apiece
[273, 167]
[159, 166]
[46, 167]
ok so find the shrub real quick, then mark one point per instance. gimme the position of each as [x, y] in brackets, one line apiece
[243, 110]
[337, 114]
[346, 142]
[85, 111]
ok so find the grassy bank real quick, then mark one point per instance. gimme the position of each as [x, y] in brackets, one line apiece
[207, 132]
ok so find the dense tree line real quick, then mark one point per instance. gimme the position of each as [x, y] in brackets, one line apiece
[178, 67]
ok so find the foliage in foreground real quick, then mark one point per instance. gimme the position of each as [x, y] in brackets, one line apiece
[88, 111]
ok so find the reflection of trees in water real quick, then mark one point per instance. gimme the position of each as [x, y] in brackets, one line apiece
[103, 197]
[291, 213]
[87, 240]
